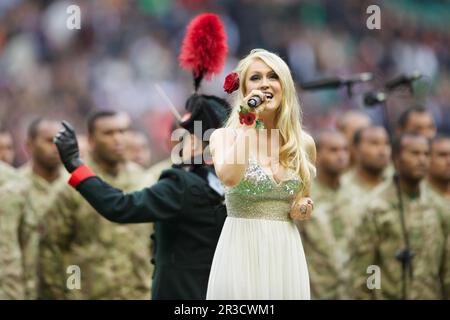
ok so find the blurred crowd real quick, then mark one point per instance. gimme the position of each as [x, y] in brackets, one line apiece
[125, 48]
[104, 79]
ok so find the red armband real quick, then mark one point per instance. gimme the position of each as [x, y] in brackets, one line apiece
[80, 174]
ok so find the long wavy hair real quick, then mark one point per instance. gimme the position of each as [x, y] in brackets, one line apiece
[288, 118]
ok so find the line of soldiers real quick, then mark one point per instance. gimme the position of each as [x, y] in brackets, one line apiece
[356, 230]
[46, 227]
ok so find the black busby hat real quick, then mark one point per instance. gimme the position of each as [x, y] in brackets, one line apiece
[212, 111]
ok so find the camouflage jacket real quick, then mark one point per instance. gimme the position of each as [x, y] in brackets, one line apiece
[84, 256]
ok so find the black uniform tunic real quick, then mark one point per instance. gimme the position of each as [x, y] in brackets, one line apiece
[188, 215]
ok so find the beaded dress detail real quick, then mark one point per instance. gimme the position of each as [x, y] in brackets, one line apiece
[260, 253]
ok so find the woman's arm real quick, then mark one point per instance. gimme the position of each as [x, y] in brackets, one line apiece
[230, 153]
[230, 147]
[310, 148]
[304, 200]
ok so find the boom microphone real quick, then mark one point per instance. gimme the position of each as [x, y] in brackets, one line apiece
[332, 83]
[403, 79]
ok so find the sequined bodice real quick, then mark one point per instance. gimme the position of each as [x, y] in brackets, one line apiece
[259, 196]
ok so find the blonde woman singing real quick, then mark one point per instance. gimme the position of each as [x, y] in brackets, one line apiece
[266, 162]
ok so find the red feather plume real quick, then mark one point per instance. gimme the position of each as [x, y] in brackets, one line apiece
[204, 47]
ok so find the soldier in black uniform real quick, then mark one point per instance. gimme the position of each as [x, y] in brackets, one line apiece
[186, 205]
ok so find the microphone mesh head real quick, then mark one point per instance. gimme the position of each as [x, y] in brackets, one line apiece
[253, 102]
[366, 76]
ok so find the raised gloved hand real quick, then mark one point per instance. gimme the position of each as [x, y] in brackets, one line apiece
[67, 145]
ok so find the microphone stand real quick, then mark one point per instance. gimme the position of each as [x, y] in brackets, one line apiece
[404, 255]
[349, 89]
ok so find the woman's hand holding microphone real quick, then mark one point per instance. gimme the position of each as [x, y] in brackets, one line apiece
[250, 115]
[256, 93]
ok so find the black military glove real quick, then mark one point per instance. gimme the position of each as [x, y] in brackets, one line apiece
[67, 145]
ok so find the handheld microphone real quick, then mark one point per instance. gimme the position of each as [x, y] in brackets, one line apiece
[372, 98]
[403, 79]
[254, 102]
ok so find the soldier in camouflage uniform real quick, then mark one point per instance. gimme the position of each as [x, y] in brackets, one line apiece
[438, 180]
[138, 148]
[7, 173]
[12, 244]
[350, 122]
[372, 156]
[6, 147]
[114, 260]
[24, 202]
[419, 120]
[379, 236]
[322, 235]
[153, 173]
[10, 256]
[438, 187]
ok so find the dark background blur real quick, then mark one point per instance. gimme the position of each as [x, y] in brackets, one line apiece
[125, 47]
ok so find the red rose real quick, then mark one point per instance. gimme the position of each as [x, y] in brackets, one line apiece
[231, 83]
[249, 118]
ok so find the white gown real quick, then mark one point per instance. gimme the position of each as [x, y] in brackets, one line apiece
[260, 253]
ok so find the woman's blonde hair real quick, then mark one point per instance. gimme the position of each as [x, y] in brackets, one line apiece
[293, 150]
